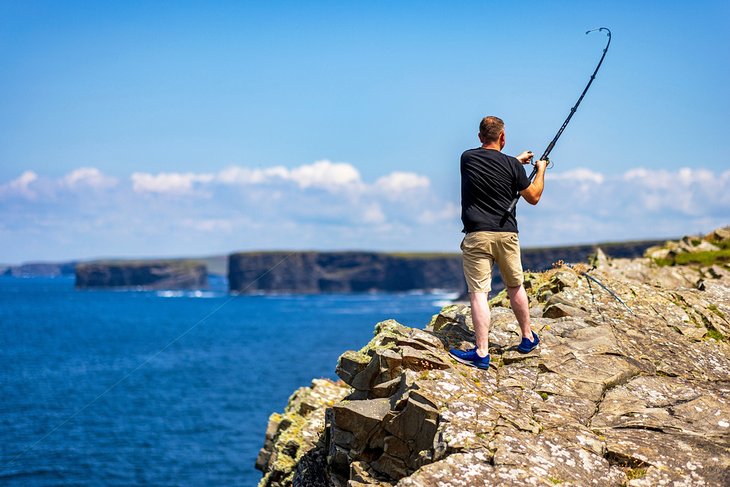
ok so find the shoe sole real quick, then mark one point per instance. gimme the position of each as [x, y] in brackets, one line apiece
[469, 363]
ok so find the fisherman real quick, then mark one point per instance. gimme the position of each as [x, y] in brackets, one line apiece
[489, 182]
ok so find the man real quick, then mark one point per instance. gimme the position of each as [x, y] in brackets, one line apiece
[489, 182]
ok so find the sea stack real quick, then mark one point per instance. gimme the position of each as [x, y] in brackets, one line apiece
[175, 275]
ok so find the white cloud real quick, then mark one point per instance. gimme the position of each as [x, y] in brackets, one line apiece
[244, 175]
[666, 179]
[209, 224]
[689, 191]
[325, 174]
[168, 183]
[87, 177]
[20, 186]
[322, 174]
[373, 214]
[448, 211]
[265, 207]
[398, 182]
[580, 175]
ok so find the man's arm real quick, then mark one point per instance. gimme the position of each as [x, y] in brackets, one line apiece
[533, 192]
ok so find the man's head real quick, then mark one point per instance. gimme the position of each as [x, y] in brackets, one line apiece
[491, 131]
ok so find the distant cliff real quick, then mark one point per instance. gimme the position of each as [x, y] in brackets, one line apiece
[142, 274]
[39, 269]
[322, 272]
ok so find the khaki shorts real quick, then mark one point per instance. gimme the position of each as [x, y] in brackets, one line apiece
[481, 249]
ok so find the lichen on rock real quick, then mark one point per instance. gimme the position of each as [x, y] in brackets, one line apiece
[294, 437]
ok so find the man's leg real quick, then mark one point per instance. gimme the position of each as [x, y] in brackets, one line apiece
[521, 308]
[480, 316]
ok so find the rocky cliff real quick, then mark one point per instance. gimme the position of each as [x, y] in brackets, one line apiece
[142, 275]
[322, 272]
[630, 386]
[39, 269]
[317, 272]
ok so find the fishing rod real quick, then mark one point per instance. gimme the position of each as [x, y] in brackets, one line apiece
[552, 143]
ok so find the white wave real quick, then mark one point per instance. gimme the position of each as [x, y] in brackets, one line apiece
[188, 294]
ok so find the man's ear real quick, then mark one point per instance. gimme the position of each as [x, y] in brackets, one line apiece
[502, 139]
[479, 134]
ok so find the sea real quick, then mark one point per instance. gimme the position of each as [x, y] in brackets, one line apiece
[164, 387]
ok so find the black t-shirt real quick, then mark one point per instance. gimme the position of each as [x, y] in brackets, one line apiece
[489, 182]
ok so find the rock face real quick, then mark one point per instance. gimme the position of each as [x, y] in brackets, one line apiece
[335, 272]
[142, 275]
[322, 272]
[631, 392]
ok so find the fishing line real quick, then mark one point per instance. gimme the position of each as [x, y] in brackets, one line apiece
[146, 361]
[551, 145]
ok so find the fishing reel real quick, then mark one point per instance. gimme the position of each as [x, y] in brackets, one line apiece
[549, 163]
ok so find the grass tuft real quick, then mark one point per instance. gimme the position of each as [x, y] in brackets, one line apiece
[713, 333]
[716, 310]
[706, 258]
[635, 473]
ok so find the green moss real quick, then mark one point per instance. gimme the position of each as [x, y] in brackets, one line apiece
[635, 473]
[707, 258]
[713, 333]
[359, 357]
[555, 480]
[544, 396]
[386, 333]
[723, 244]
[500, 300]
[716, 310]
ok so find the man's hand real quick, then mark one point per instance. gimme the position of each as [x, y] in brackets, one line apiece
[525, 157]
[533, 192]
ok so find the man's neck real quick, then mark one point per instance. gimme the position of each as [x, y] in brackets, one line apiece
[493, 146]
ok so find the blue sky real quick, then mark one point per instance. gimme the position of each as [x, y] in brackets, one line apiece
[192, 128]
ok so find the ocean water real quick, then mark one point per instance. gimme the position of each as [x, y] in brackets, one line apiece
[89, 395]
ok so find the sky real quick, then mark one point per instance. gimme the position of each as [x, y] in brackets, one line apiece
[167, 129]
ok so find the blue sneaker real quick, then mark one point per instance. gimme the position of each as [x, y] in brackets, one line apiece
[470, 357]
[527, 346]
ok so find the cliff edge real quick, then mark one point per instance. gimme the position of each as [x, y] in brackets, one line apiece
[630, 386]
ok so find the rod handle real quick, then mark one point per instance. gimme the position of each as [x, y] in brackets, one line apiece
[513, 204]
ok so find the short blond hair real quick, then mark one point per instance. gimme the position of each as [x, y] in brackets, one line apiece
[490, 128]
